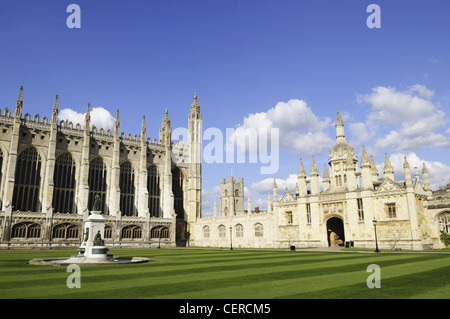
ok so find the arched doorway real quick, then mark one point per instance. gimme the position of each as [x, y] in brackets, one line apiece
[335, 232]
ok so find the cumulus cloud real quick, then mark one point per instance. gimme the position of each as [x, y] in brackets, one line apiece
[439, 173]
[100, 117]
[300, 130]
[411, 118]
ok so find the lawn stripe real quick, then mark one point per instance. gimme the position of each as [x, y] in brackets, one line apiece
[204, 274]
[306, 287]
[155, 287]
[94, 274]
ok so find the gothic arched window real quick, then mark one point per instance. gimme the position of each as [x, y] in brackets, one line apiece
[153, 191]
[444, 223]
[159, 231]
[131, 232]
[126, 184]
[177, 189]
[97, 182]
[26, 230]
[239, 230]
[65, 231]
[64, 184]
[206, 232]
[27, 181]
[259, 230]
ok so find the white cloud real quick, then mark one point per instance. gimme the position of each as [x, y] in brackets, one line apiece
[422, 90]
[100, 117]
[439, 173]
[300, 130]
[411, 118]
[266, 185]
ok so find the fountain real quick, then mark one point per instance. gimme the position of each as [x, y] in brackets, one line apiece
[92, 250]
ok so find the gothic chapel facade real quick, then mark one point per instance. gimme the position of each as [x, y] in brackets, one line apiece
[50, 173]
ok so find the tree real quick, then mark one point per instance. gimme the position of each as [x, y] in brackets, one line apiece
[445, 238]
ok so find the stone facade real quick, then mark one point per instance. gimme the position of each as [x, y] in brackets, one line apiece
[340, 211]
[50, 172]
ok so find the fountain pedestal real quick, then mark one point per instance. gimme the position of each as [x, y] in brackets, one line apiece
[93, 246]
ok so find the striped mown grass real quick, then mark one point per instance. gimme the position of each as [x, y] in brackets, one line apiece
[183, 273]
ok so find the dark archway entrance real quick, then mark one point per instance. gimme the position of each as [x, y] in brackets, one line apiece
[335, 232]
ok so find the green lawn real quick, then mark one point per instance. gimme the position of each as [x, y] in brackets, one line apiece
[184, 273]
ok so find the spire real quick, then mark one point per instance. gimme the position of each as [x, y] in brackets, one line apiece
[117, 123]
[165, 120]
[313, 170]
[87, 119]
[387, 163]
[19, 103]
[55, 111]
[143, 126]
[373, 169]
[407, 171]
[301, 170]
[275, 195]
[424, 169]
[405, 163]
[388, 170]
[195, 107]
[325, 173]
[339, 126]
[117, 127]
[364, 157]
[426, 178]
[143, 134]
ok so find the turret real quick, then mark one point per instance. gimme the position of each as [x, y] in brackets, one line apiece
[426, 179]
[301, 177]
[366, 171]
[374, 170]
[19, 104]
[314, 178]
[326, 179]
[407, 171]
[388, 171]
[351, 176]
[275, 195]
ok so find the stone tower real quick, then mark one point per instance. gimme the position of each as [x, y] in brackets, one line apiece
[231, 197]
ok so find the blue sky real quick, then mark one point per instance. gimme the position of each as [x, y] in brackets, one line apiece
[250, 62]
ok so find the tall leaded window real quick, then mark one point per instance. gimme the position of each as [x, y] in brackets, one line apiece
[153, 191]
[391, 210]
[360, 209]
[97, 183]
[27, 181]
[126, 184]
[64, 184]
[308, 213]
[177, 189]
